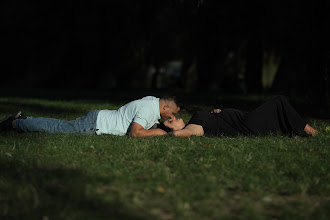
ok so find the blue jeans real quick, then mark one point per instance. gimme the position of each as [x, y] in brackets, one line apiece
[83, 125]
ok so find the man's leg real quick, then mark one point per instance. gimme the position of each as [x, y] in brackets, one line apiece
[6, 123]
[85, 125]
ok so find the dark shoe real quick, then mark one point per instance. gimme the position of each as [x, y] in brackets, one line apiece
[6, 123]
[20, 115]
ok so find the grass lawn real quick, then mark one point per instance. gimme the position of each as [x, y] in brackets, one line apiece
[61, 176]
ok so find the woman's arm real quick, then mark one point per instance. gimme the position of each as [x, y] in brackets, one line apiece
[190, 130]
[216, 110]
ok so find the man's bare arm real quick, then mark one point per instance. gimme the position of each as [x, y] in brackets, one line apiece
[138, 131]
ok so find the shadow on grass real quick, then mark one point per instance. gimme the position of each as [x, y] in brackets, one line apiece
[38, 193]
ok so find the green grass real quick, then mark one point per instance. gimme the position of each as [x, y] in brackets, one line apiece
[75, 176]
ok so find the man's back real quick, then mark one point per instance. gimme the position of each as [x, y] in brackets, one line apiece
[143, 111]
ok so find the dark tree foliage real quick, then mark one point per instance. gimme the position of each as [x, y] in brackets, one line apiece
[109, 44]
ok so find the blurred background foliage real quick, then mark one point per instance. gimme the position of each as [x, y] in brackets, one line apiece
[184, 45]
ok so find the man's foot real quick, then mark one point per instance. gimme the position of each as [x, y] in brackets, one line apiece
[6, 123]
[20, 115]
[309, 130]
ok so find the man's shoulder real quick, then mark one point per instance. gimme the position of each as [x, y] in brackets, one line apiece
[146, 101]
[149, 98]
[147, 105]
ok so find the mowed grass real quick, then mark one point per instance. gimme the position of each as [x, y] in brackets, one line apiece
[72, 176]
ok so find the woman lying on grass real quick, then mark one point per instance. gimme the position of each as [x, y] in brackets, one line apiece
[274, 116]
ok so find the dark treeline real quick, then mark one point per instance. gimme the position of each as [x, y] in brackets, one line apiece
[228, 46]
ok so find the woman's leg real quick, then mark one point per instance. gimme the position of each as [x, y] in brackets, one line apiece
[276, 115]
[85, 125]
[309, 130]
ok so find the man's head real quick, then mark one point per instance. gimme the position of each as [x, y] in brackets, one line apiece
[168, 106]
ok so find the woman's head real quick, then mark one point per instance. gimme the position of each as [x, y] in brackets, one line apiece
[175, 123]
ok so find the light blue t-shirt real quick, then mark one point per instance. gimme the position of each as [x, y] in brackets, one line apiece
[143, 111]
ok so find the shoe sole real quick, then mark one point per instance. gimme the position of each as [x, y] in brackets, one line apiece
[18, 114]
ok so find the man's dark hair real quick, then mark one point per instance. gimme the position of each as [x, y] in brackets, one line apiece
[174, 98]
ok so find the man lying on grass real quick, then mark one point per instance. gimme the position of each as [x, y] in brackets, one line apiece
[274, 116]
[134, 118]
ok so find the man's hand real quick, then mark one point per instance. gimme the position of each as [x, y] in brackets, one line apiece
[138, 131]
[216, 110]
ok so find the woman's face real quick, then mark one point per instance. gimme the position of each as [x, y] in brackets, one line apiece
[175, 123]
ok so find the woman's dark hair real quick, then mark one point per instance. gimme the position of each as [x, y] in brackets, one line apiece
[164, 127]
